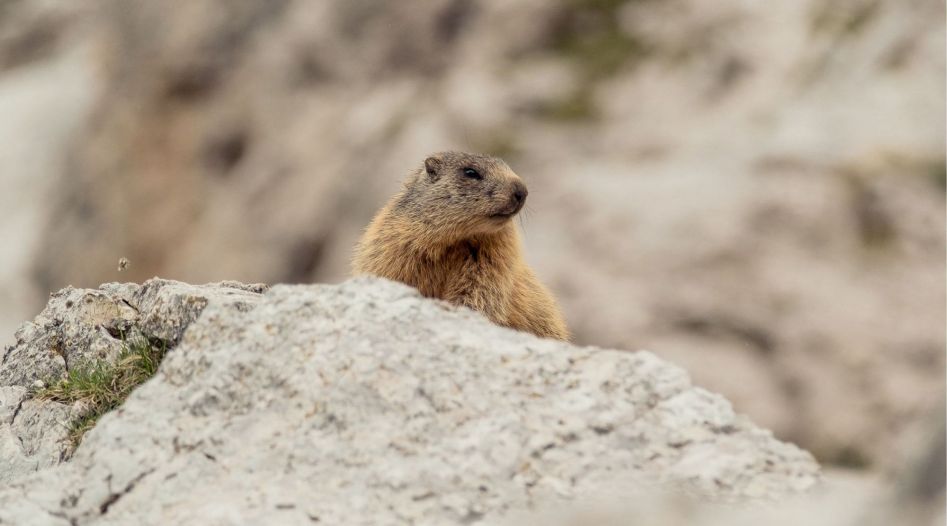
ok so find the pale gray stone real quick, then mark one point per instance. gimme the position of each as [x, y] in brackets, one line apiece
[79, 325]
[364, 403]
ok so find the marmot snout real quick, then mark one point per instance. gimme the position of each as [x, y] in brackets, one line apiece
[518, 194]
[450, 234]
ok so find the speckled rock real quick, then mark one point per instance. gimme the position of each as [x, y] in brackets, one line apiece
[32, 433]
[364, 403]
[79, 325]
[83, 324]
[913, 495]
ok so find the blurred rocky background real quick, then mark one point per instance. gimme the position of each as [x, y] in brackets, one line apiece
[753, 190]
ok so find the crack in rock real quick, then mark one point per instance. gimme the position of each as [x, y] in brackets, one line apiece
[115, 497]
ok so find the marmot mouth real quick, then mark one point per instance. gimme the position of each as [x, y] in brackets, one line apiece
[507, 213]
[504, 215]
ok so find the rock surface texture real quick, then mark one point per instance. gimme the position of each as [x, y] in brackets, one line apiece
[363, 403]
[750, 189]
[79, 325]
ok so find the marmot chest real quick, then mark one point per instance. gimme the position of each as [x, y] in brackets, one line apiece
[460, 271]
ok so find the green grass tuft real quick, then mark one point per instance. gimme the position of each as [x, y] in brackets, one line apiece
[102, 386]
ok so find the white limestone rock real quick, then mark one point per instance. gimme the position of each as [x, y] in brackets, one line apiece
[364, 403]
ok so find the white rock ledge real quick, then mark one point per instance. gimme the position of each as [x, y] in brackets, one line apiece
[360, 403]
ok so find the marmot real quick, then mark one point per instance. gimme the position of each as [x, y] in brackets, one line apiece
[449, 233]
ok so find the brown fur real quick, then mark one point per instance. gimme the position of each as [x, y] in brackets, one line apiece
[452, 237]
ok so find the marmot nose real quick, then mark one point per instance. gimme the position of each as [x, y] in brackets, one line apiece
[519, 193]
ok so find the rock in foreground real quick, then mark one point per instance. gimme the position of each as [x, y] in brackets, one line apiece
[76, 327]
[365, 404]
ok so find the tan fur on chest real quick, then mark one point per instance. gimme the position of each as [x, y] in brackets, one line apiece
[473, 272]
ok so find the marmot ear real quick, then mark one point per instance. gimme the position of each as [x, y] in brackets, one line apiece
[432, 165]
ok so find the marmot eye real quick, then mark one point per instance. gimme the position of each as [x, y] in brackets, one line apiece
[471, 173]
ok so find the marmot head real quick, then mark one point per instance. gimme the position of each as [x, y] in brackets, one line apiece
[464, 194]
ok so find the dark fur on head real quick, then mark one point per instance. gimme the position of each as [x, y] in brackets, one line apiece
[474, 194]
